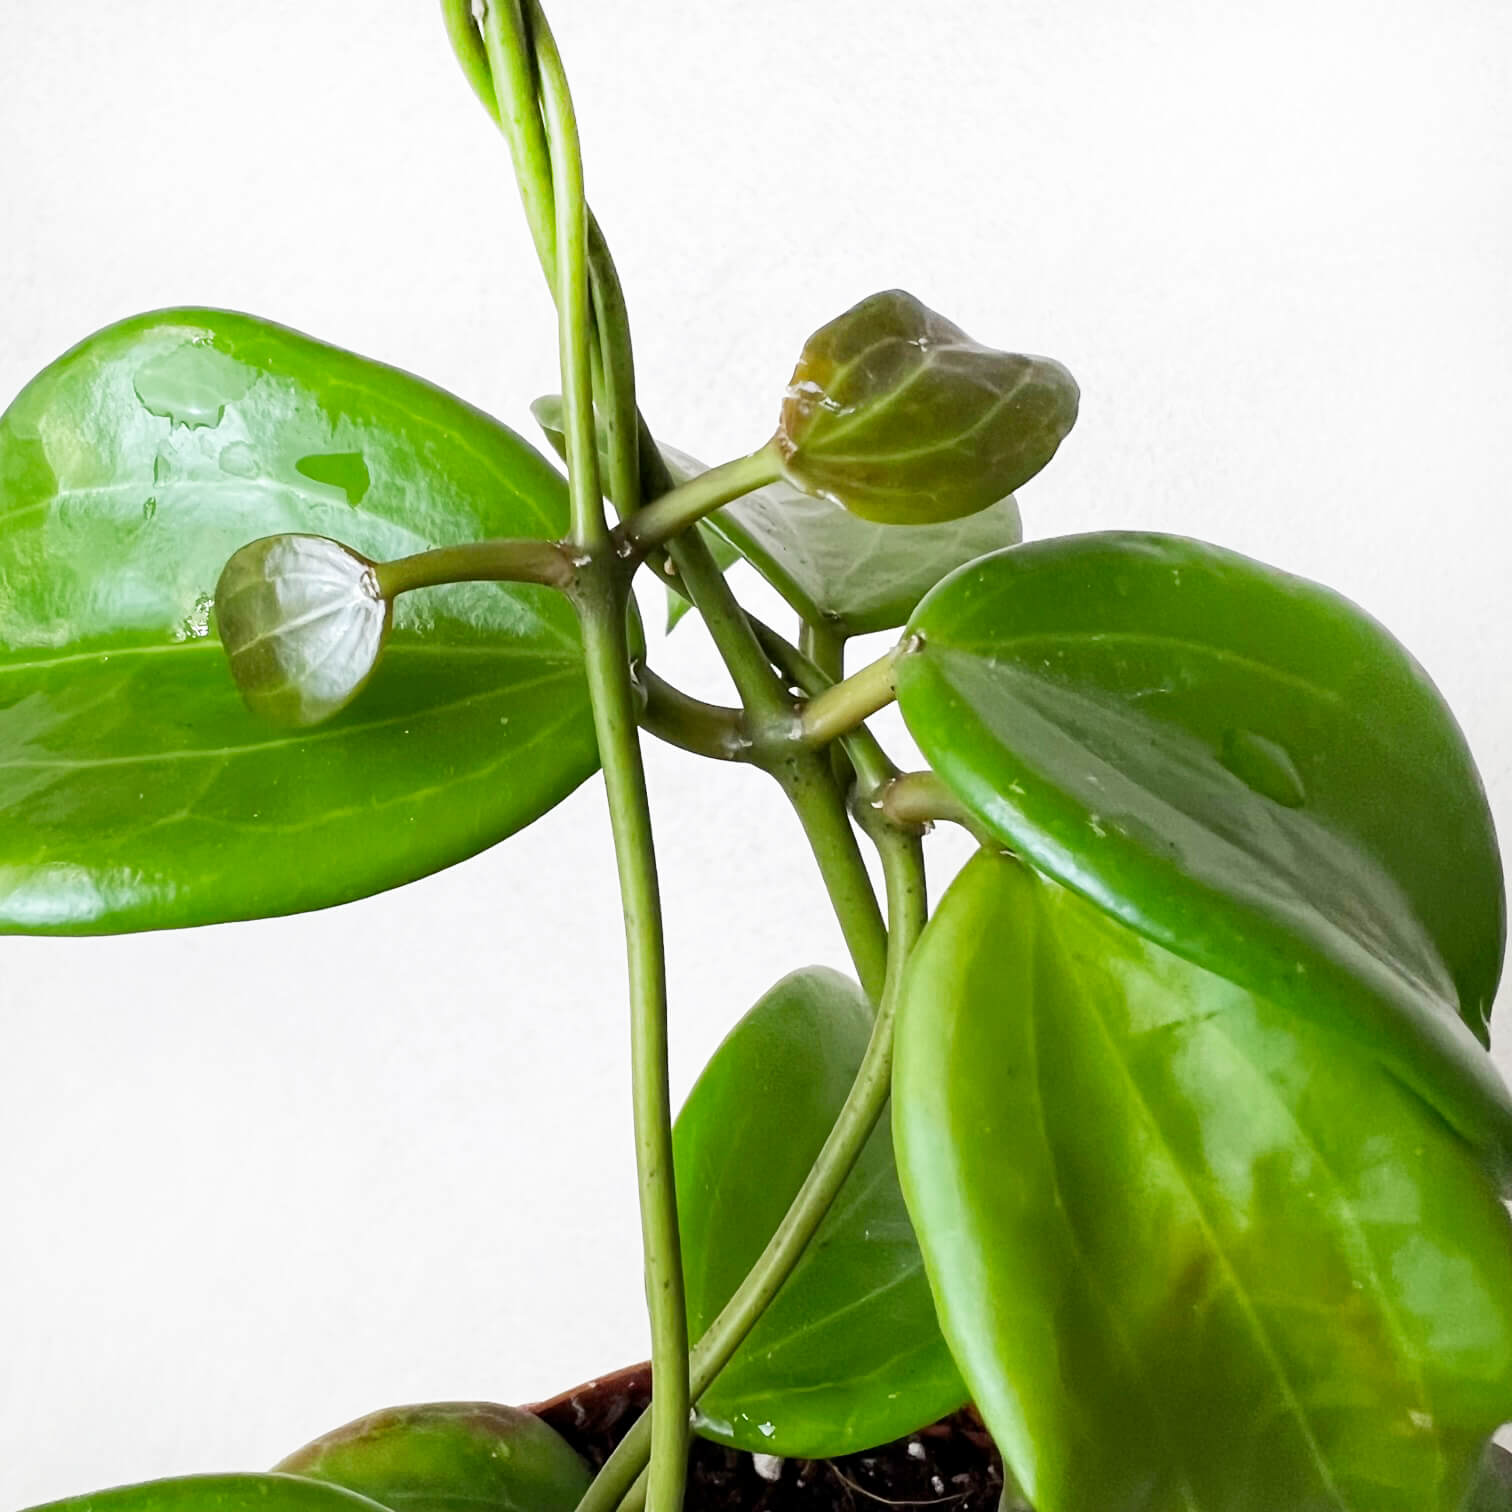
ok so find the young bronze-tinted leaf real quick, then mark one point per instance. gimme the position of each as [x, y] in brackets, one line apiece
[219, 1493]
[302, 622]
[832, 567]
[136, 790]
[901, 417]
[449, 1457]
[849, 1355]
[1241, 765]
[1193, 1253]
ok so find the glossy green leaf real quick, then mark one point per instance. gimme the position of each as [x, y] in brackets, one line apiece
[1192, 1252]
[219, 1493]
[302, 621]
[136, 790]
[449, 1457]
[849, 1354]
[899, 416]
[834, 568]
[1245, 768]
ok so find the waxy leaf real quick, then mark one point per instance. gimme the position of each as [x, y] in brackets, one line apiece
[1193, 1253]
[219, 1493]
[901, 417]
[849, 1354]
[1242, 766]
[302, 622]
[834, 568]
[449, 1457]
[136, 790]
[846, 573]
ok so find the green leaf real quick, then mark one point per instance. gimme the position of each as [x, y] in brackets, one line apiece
[1242, 766]
[302, 621]
[136, 790]
[832, 567]
[219, 1493]
[449, 1457]
[901, 417]
[849, 1354]
[838, 570]
[1192, 1253]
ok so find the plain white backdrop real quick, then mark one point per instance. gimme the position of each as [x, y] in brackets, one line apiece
[259, 1179]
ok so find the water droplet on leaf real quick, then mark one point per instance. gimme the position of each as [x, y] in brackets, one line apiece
[239, 460]
[344, 470]
[191, 385]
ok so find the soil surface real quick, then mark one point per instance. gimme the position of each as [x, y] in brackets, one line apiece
[951, 1466]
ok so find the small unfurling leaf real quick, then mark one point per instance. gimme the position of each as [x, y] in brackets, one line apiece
[302, 621]
[900, 416]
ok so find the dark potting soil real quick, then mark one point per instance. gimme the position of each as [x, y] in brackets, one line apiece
[951, 1466]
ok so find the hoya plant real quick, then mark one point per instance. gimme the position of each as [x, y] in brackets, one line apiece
[1168, 1139]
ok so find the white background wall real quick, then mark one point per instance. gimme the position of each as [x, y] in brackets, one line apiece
[257, 1180]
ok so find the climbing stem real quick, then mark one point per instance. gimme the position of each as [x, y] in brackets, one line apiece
[621, 1482]
[811, 788]
[503, 70]
[602, 610]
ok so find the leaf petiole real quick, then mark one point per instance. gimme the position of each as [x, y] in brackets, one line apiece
[683, 507]
[521, 561]
[923, 798]
[840, 708]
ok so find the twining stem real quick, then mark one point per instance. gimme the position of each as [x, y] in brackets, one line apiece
[843, 706]
[481, 561]
[684, 506]
[621, 1483]
[811, 788]
[501, 70]
[602, 606]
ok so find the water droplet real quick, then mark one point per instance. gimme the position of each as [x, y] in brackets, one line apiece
[239, 460]
[766, 1430]
[196, 624]
[161, 467]
[1265, 766]
[149, 509]
[191, 385]
[344, 470]
[719, 1427]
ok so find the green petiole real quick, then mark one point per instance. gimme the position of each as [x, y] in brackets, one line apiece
[682, 508]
